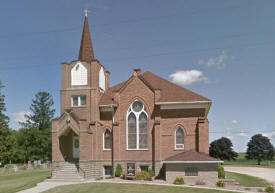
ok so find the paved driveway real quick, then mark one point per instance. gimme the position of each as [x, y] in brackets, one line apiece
[265, 173]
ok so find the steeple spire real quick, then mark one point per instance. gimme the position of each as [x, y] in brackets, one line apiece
[86, 52]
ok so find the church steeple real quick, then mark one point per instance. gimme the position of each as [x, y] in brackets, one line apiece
[86, 52]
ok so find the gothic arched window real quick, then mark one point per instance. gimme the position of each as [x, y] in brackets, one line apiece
[79, 75]
[137, 126]
[107, 140]
[179, 138]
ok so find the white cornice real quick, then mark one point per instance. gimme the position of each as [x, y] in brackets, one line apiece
[189, 102]
[190, 162]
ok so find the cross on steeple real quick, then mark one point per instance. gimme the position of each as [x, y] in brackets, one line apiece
[86, 11]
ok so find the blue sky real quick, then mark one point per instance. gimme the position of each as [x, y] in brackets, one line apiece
[223, 50]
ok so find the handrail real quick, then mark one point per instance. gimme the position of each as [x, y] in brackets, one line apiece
[80, 170]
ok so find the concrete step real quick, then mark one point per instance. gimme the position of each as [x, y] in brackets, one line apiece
[65, 180]
[67, 172]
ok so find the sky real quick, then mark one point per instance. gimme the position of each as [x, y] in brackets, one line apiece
[223, 50]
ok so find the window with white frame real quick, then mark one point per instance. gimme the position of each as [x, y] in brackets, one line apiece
[78, 101]
[137, 126]
[179, 138]
[102, 79]
[79, 75]
[107, 140]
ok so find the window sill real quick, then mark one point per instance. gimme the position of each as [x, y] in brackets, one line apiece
[137, 149]
[84, 106]
[179, 149]
[107, 149]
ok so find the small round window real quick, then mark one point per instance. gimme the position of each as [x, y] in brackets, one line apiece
[137, 106]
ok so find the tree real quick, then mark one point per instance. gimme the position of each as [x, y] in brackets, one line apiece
[260, 148]
[222, 149]
[5, 144]
[37, 128]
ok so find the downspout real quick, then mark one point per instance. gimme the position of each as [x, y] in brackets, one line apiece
[113, 165]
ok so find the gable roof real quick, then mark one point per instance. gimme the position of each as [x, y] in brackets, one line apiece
[191, 157]
[169, 91]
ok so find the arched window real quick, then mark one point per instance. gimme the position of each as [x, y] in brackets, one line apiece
[179, 138]
[102, 79]
[137, 126]
[79, 75]
[107, 140]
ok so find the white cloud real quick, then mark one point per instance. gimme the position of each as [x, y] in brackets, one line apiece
[231, 137]
[269, 135]
[20, 116]
[187, 77]
[243, 134]
[234, 122]
[218, 61]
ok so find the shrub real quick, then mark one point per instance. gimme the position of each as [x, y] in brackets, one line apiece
[118, 171]
[269, 189]
[200, 182]
[142, 175]
[151, 173]
[220, 183]
[179, 181]
[221, 173]
[123, 176]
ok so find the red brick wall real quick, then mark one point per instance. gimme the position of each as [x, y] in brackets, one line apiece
[162, 123]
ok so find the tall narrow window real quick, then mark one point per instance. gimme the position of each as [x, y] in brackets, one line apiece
[179, 139]
[102, 79]
[132, 131]
[107, 140]
[137, 126]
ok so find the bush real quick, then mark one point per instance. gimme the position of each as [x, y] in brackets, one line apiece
[221, 173]
[269, 189]
[151, 173]
[123, 176]
[118, 171]
[200, 182]
[142, 175]
[220, 183]
[179, 181]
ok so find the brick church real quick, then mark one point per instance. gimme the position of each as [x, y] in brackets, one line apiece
[145, 122]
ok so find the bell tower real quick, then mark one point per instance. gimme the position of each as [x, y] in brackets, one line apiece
[84, 81]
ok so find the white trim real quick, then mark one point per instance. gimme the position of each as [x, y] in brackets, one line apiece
[137, 114]
[190, 102]
[190, 162]
[103, 144]
[79, 77]
[175, 138]
[78, 100]
[106, 108]
[184, 106]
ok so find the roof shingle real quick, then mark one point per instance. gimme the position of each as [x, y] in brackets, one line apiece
[191, 156]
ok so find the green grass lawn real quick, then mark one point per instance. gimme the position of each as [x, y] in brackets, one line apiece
[126, 188]
[12, 182]
[241, 161]
[245, 180]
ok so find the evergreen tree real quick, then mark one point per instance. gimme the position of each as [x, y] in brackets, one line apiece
[38, 125]
[4, 129]
[260, 148]
[222, 149]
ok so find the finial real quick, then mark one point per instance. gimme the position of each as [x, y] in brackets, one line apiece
[86, 11]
